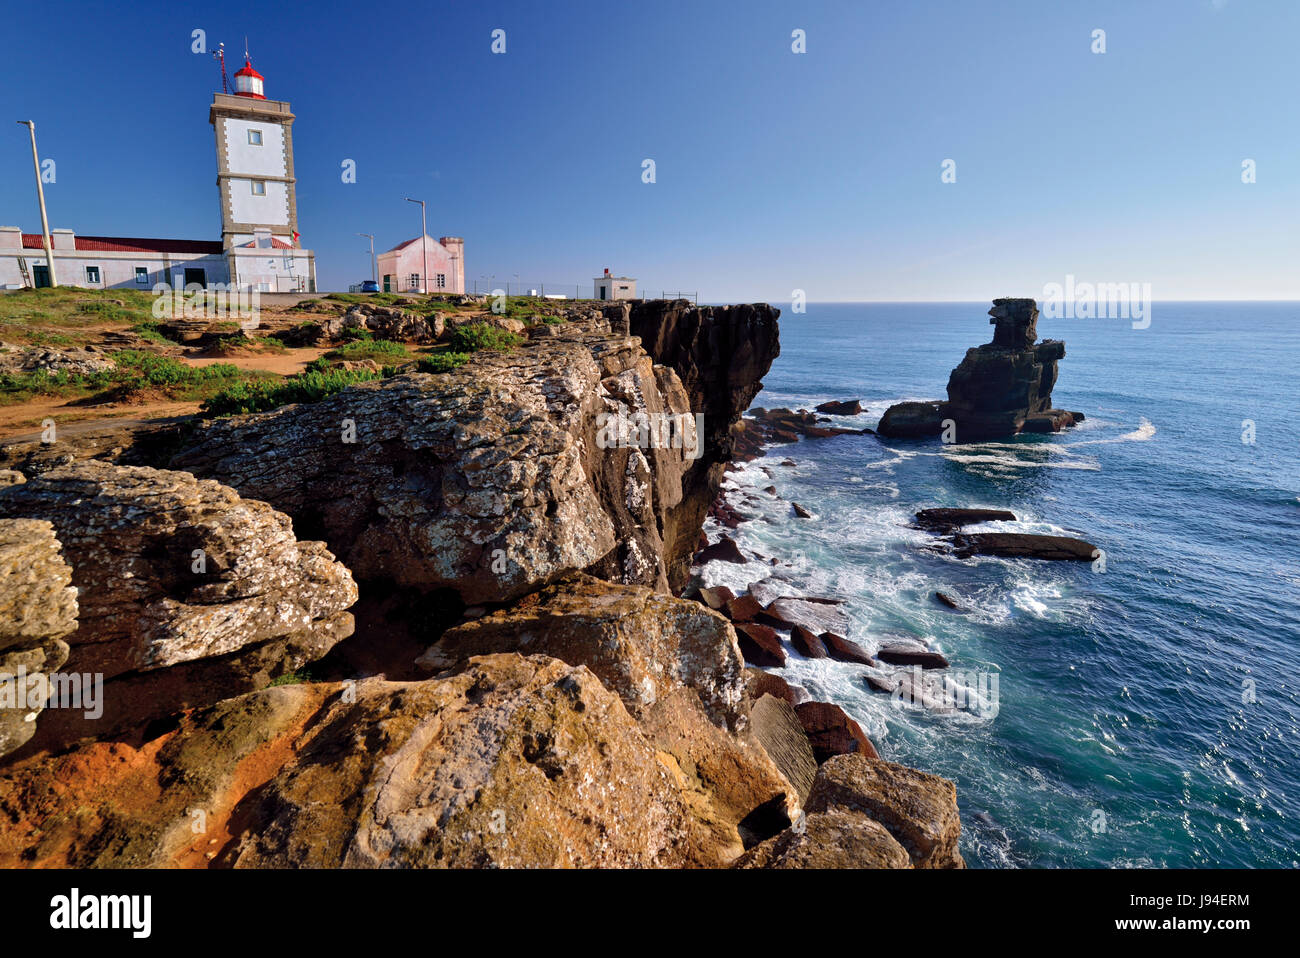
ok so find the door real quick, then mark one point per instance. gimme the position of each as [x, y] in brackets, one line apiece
[41, 276]
[388, 282]
[195, 276]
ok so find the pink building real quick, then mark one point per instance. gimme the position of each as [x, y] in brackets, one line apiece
[436, 266]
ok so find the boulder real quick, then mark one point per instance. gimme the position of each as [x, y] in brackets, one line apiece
[724, 550]
[743, 608]
[776, 726]
[831, 732]
[919, 810]
[910, 652]
[816, 617]
[760, 645]
[944, 598]
[759, 683]
[640, 644]
[950, 520]
[172, 572]
[38, 610]
[843, 650]
[912, 420]
[1019, 545]
[807, 643]
[845, 407]
[800, 511]
[716, 598]
[386, 322]
[835, 839]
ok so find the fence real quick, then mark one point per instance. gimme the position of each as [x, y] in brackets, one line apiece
[485, 285]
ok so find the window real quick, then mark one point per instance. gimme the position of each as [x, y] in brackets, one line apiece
[92, 274]
[142, 276]
[259, 187]
[415, 281]
[441, 280]
[254, 137]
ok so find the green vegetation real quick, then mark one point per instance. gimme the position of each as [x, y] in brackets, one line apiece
[376, 349]
[136, 372]
[374, 299]
[311, 385]
[475, 336]
[443, 362]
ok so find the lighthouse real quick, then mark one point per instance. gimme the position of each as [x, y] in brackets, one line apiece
[256, 183]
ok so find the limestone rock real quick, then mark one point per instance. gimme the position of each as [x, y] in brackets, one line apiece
[173, 571]
[515, 762]
[640, 644]
[38, 609]
[918, 809]
[834, 839]
[832, 732]
[777, 728]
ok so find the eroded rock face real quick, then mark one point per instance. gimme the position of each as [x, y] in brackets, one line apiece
[38, 609]
[517, 468]
[188, 593]
[999, 389]
[918, 809]
[515, 762]
[834, 839]
[640, 644]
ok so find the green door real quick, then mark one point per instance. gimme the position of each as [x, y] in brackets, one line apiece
[41, 276]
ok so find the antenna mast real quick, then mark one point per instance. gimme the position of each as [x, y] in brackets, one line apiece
[220, 54]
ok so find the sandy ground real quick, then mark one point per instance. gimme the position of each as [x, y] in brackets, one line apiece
[26, 418]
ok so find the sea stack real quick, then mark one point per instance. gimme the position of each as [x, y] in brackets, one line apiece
[1000, 389]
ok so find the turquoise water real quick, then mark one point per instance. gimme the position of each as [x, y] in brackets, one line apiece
[1147, 714]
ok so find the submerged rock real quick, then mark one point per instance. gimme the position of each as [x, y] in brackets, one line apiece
[950, 520]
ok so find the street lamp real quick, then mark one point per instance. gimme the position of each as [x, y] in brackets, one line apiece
[374, 267]
[40, 195]
[424, 247]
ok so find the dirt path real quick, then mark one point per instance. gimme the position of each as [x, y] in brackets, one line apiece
[285, 364]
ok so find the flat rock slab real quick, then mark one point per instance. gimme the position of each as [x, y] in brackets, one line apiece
[1019, 545]
[816, 617]
[950, 520]
[842, 650]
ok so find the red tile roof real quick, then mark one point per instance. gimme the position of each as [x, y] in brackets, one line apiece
[276, 243]
[117, 244]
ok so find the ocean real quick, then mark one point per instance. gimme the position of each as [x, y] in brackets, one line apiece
[1147, 713]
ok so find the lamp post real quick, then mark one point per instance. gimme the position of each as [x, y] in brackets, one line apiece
[374, 267]
[424, 247]
[40, 195]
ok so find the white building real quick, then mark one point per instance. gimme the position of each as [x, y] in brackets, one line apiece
[402, 268]
[259, 218]
[615, 287]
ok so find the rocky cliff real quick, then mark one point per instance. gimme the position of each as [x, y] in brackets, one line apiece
[524, 521]
[999, 389]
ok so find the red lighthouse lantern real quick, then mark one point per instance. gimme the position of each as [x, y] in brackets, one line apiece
[248, 82]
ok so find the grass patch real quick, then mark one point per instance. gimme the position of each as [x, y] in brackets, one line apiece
[137, 372]
[442, 362]
[311, 385]
[379, 350]
[475, 336]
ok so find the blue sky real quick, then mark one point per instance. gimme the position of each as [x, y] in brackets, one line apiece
[774, 170]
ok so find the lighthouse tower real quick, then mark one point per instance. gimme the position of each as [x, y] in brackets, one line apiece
[259, 205]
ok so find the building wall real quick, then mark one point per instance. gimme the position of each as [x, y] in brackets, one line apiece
[400, 264]
[116, 270]
[275, 271]
[265, 160]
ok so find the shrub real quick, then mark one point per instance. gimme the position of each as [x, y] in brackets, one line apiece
[312, 385]
[375, 349]
[473, 337]
[442, 362]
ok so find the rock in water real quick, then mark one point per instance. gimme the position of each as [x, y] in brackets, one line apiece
[998, 390]
[846, 407]
[832, 732]
[1023, 545]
